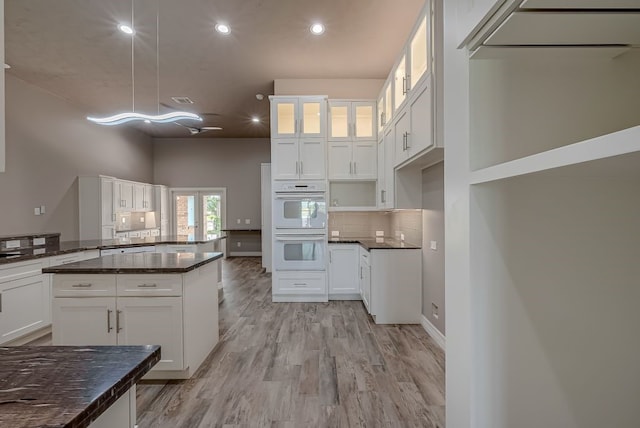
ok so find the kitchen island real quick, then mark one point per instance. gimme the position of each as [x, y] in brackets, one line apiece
[167, 299]
[51, 386]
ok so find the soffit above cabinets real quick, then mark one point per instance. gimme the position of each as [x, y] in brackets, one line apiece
[608, 25]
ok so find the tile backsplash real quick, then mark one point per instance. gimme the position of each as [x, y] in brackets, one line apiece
[359, 224]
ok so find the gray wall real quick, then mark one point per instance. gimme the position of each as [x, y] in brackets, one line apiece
[433, 230]
[49, 143]
[233, 163]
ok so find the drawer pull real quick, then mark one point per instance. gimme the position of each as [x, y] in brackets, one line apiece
[298, 284]
[147, 285]
[81, 285]
[118, 328]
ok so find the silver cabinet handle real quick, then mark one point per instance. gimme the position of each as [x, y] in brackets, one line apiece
[296, 167]
[295, 126]
[404, 85]
[330, 258]
[81, 285]
[299, 284]
[109, 328]
[360, 272]
[408, 79]
[301, 168]
[407, 139]
[355, 168]
[350, 168]
[382, 196]
[0, 302]
[147, 285]
[118, 328]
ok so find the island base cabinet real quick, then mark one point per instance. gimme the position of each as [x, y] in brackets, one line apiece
[84, 321]
[120, 414]
[153, 321]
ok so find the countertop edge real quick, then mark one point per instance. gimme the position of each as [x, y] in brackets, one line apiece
[367, 246]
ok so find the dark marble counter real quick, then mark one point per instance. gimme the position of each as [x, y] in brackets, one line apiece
[29, 236]
[66, 247]
[138, 263]
[67, 386]
[377, 243]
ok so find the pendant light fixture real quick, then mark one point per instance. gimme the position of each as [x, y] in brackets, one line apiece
[132, 116]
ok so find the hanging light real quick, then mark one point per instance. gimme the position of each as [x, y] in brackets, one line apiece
[132, 116]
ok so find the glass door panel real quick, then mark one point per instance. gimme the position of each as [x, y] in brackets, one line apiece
[311, 118]
[380, 114]
[364, 120]
[419, 52]
[211, 215]
[286, 118]
[388, 103]
[399, 84]
[185, 216]
[339, 121]
[198, 214]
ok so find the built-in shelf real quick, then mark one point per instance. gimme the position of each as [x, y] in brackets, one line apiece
[621, 150]
[547, 53]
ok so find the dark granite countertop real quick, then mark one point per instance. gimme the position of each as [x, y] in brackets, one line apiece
[66, 247]
[29, 236]
[137, 263]
[382, 243]
[67, 386]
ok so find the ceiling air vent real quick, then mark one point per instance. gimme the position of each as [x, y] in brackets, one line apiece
[182, 100]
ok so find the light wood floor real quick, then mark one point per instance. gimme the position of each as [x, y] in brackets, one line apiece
[301, 365]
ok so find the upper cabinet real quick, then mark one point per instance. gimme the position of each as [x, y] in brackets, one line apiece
[352, 120]
[298, 159]
[295, 117]
[143, 197]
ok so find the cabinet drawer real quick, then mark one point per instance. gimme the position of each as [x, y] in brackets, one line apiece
[12, 271]
[74, 257]
[292, 283]
[149, 285]
[84, 285]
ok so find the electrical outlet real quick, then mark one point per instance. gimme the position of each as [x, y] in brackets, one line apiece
[335, 233]
[12, 244]
[379, 232]
[434, 245]
[238, 221]
[434, 310]
[402, 236]
[239, 244]
[42, 209]
[36, 211]
[247, 221]
[141, 219]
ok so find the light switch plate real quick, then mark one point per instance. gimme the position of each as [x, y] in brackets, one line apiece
[379, 232]
[12, 244]
[38, 241]
[402, 236]
[238, 221]
[434, 245]
[36, 211]
[247, 221]
[42, 209]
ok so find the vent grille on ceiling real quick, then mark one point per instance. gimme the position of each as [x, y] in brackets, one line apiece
[182, 100]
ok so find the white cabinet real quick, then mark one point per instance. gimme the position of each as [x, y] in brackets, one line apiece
[299, 286]
[295, 117]
[385, 109]
[352, 160]
[84, 321]
[365, 278]
[473, 14]
[386, 172]
[413, 127]
[162, 209]
[124, 196]
[343, 271]
[122, 413]
[96, 207]
[143, 197]
[352, 120]
[24, 300]
[294, 159]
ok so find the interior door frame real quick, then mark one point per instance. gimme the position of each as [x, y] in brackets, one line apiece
[198, 191]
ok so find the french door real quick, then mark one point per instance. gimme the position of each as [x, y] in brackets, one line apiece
[198, 213]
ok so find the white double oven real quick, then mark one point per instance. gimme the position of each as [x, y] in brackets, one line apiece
[300, 226]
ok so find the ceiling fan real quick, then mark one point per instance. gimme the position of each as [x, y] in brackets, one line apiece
[194, 130]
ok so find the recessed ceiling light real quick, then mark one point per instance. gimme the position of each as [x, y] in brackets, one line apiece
[125, 29]
[259, 97]
[223, 29]
[255, 119]
[317, 29]
[7, 66]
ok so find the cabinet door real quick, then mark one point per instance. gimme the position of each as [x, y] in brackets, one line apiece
[402, 137]
[126, 196]
[108, 212]
[366, 286]
[380, 198]
[388, 103]
[421, 136]
[340, 163]
[389, 172]
[138, 197]
[149, 198]
[153, 321]
[313, 117]
[312, 159]
[343, 269]
[364, 120]
[364, 159]
[399, 84]
[284, 117]
[419, 55]
[24, 306]
[84, 321]
[284, 159]
[380, 113]
[340, 126]
[108, 232]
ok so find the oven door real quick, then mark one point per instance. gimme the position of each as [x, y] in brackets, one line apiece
[299, 252]
[299, 211]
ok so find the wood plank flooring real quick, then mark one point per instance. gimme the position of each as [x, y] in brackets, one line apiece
[301, 365]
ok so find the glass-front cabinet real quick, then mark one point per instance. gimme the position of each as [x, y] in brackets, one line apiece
[352, 120]
[400, 83]
[298, 117]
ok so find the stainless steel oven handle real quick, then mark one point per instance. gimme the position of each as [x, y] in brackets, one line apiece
[300, 196]
[301, 238]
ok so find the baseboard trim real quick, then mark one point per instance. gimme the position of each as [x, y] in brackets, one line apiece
[245, 253]
[29, 337]
[435, 334]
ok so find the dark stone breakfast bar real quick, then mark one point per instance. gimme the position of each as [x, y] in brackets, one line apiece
[166, 299]
[74, 387]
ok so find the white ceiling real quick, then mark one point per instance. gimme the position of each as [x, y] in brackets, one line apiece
[72, 48]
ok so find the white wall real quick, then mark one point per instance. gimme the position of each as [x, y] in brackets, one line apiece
[433, 290]
[333, 88]
[50, 143]
[233, 163]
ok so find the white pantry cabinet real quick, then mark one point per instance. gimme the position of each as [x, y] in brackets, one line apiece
[386, 173]
[343, 271]
[97, 207]
[352, 160]
[352, 120]
[296, 117]
[413, 129]
[293, 159]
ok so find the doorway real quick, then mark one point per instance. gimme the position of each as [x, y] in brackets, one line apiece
[198, 213]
